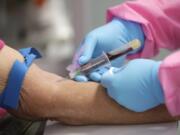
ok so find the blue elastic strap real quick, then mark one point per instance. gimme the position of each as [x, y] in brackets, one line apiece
[10, 96]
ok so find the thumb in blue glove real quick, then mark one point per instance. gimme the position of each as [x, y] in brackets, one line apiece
[136, 85]
[113, 35]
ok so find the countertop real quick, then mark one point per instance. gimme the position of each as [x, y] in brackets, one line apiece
[53, 128]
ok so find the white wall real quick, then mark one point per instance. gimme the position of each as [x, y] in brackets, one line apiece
[87, 15]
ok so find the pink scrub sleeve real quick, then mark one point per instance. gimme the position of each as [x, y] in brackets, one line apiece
[2, 111]
[1, 44]
[169, 75]
[160, 20]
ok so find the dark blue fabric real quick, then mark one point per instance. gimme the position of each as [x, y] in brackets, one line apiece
[29, 55]
[10, 96]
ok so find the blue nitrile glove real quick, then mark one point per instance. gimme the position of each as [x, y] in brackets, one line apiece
[136, 85]
[116, 33]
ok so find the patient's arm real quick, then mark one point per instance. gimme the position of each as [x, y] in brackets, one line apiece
[48, 96]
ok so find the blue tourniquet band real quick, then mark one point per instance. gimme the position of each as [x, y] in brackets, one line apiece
[10, 96]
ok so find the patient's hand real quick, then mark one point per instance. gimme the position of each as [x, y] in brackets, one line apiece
[47, 96]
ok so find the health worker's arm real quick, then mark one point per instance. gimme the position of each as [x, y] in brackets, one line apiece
[160, 20]
[47, 96]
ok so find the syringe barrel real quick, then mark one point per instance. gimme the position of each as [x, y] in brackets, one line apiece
[102, 60]
[105, 58]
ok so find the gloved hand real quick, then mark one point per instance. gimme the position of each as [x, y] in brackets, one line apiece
[116, 33]
[136, 85]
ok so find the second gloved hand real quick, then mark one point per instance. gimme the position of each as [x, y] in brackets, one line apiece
[113, 35]
[136, 85]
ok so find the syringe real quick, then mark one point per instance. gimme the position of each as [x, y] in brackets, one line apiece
[105, 58]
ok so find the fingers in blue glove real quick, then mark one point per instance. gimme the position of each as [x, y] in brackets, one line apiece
[97, 73]
[81, 78]
[95, 76]
[88, 48]
[135, 85]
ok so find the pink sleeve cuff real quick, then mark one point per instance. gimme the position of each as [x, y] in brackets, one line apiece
[1, 44]
[169, 75]
[159, 19]
[2, 111]
[125, 12]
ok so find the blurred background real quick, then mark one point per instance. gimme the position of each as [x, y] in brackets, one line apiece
[55, 27]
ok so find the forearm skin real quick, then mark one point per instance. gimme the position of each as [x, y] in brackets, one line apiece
[47, 96]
